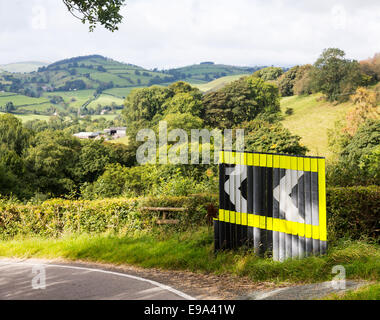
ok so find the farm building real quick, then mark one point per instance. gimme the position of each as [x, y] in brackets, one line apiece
[87, 135]
[116, 132]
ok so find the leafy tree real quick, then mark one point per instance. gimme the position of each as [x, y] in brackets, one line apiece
[262, 136]
[269, 73]
[358, 157]
[241, 100]
[14, 139]
[182, 87]
[145, 104]
[371, 68]
[366, 108]
[92, 160]
[73, 85]
[185, 102]
[9, 107]
[12, 174]
[8, 181]
[94, 12]
[51, 160]
[122, 154]
[13, 135]
[295, 81]
[118, 180]
[286, 82]
[101, 69]
[334, 75]
[365, 139]
[370, 164]
[184, 121]
[95, 155]
[303, 82]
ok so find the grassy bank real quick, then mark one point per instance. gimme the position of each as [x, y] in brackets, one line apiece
[193, 251]
[371, 292]
[311, 120]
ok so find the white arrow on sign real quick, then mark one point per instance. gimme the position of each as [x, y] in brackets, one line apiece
[282, 191]
[233, 184]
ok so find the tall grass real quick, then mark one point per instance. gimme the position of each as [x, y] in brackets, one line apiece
[193, 251]
[371, 292]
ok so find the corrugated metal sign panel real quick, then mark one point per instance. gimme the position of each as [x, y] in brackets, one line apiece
[272, 203]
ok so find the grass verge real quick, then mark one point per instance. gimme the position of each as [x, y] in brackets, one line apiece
[193, 251]
[371, 292]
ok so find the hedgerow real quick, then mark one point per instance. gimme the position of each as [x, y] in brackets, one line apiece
[56, 217]
[353, 213]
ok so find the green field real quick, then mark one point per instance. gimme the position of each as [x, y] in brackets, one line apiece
[108, 117]
[7, 94]
[121, 92]
[26, 117]
[218, 83]
[312, 119]
[105, 100]
[20, 100]
[25, 103]
[76, 80]
[74, 99]
[43, 107]
[121, 140]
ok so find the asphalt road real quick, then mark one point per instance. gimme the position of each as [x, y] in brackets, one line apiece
[34, 280]
[305, 292]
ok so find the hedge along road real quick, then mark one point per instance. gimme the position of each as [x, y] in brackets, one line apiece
[36, 280]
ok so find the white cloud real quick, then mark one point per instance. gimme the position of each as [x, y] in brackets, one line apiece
[168, 33]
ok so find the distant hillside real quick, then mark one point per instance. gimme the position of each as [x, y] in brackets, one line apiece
[21, 67]
[93, 83]
[311, 120]
[218, 83]
[101, 73]
[93, 72]
[208, 71]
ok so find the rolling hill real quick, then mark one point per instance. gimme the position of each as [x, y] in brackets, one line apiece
[311, 120]
[218, 83]
[94, 82]
[21, 67]
[208, 71]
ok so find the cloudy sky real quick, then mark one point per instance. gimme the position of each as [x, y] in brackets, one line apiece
[169, 33]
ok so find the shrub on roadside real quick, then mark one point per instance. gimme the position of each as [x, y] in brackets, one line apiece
[353, 212]
[57, 217]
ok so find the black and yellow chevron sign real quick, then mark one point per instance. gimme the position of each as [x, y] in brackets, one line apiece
[272, 203]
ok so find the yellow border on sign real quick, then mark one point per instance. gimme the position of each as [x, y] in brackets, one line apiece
[269, 223]
[307, 164]
[271, 161]
[322, 199]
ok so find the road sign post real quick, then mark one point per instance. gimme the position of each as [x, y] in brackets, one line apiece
[272, 203]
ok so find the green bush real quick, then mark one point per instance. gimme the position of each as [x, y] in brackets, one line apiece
[289, 111]
[358, 161]
[353, 212]
[262, 136]
[56, 217]
[151, 180]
